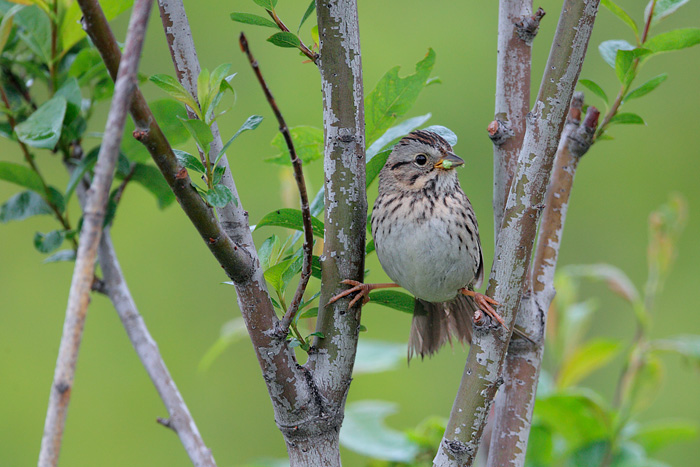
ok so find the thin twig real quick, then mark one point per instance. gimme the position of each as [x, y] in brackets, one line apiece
[91, 232]
[301, 185]
[304, 49]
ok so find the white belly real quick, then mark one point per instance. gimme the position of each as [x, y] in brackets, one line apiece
[423, 259]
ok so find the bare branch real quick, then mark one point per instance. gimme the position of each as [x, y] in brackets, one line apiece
[301, 185]
[79, 296]
[484, 366]
[512, 99]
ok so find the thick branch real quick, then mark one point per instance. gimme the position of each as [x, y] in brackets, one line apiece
[90, 233]
[292, 398]
[516, 399]
[512, 99]
[301, 185]
[483, 370]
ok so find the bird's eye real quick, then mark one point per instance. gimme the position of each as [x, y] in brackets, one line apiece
[421, 160]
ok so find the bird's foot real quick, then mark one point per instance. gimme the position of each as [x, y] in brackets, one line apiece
[484, 303]
[363, 289]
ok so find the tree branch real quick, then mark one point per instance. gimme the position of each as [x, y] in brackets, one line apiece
[482, 374]
[516, 399]
[301, 185]
[90, 234]
[512, 98]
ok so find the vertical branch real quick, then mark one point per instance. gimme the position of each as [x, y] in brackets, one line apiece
[516, 30]
[482, 374]
[343, 257]
[516, 399]
[79, 296]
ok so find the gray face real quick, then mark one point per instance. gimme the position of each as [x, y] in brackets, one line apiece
[421, 160]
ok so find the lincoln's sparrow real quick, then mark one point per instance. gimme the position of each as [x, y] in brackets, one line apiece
[427, 240]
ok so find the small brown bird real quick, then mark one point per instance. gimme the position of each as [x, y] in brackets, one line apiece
[427, 240]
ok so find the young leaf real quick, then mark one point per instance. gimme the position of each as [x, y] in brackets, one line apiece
[608, 50]
[43, 128]
[594, 88]
[662, 9]
[189, 161]
[647, 87]
[284, 39]
[308, 143]
[291, 219]
[200, 131]
[394, 96]
[673, 40]
[248, 18]
[8, 21]
[395, 133]
[646, 385]
[310, 9]
[393, 299]
[267, 4]
[375, 356]
[266, 249]
[627, 118]
[63, 255]
[687, 346]
[274, 275]
[320, 335]
[219, 196]
[250, 124]
[586, 359]
[176, 90]
[203, 91]
[623, 64]
[23, 205]
[622, 14]
[46, 243]
[364, 431]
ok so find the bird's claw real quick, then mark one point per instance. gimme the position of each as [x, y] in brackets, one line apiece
[363, 294]
[484, 303]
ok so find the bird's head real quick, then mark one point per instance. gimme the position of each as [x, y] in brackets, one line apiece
[421, 160]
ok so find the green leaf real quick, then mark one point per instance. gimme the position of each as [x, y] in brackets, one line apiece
[608, 50]
[375, 356]
[71, 30]
[203, 90]
[394, 96]
[265, 251]
[579, 417]
[59, 256]
[310, 9]
[395, 133]
[657, 434]
[84, 166]
[624, 70]
[168, 114]
[375, 165]
[316, 267]
[308, 144]
[393, 299]
[586, 359]
[687, 346]
[35, 31]
[369, 248]
[540, 446]
[646, 385]
[46, 243]
[200, 131]
[176, 90]
[447, 134]
[189, 161]
[627, 118]
[152, 180]
[647, 87]
[251, 123]
[594, 88]
[284, 39]
[365, 432]
[22, 176]
[23, 205]
[622, 14]
[613, 276]
[589, 454]
[231, 332]
[320, 335]
[7, 22]
[673, 40]
[277, 275]
[291, 219]
[248, 18]
[43, 128]
[219, 196]
[662, 9]
[267, 4]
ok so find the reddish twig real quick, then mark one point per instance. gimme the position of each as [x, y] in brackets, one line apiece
[304, 49]
[90, 235]
[301, 185]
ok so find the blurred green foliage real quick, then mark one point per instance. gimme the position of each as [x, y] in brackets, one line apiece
[176, 283]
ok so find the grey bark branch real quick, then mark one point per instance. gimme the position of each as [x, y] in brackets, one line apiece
[484, 367]
[90, 234]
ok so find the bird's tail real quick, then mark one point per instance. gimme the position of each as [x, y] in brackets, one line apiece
[434, 324]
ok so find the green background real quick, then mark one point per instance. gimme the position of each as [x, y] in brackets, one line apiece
[176, 282]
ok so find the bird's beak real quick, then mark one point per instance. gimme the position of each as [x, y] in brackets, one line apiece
[450, 161]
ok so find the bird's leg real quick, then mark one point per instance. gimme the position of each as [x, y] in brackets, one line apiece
[484, 302]
[363, 290]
